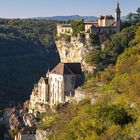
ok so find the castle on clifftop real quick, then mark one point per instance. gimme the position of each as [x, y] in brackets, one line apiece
[104, 23]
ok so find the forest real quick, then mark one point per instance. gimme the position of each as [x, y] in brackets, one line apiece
[27, 51]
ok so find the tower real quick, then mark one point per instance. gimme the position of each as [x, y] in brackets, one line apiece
[118, 18]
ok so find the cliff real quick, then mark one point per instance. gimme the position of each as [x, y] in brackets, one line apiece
[74, 51]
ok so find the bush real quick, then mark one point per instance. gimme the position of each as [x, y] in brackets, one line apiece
[78, 27]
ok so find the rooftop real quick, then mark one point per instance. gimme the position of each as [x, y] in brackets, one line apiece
[106, 17]
[67, 68]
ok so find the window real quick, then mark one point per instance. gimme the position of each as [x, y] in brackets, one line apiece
[55, 80]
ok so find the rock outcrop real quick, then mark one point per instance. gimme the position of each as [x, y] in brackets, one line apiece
[43, 134]
[74, 51]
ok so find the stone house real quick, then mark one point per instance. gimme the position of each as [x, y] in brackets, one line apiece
[89, 25]
[64, 29]
[40, 96]
[43, 90]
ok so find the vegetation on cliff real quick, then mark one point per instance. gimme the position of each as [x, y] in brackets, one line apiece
[112, 109]
[108, 47]
[78, 27]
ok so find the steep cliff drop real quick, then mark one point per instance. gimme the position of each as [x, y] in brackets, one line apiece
[74, 51]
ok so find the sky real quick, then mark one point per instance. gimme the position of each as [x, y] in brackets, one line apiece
[44, 8]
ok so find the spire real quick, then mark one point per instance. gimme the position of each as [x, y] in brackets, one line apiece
[118, 4]
[47, 75]
[118, 17]
[118, 8]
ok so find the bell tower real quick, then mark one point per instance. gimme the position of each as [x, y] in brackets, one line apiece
[118, 17]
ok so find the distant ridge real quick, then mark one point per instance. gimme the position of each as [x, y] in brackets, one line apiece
[63, 18]
[72, 17]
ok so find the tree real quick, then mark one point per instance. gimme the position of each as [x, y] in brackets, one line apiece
[94, 57]
[130, 17]
[134, 16]
[78, 27]
[94, 38]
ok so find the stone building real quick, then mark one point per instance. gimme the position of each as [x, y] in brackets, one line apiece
[107, 22]
[39, 98]
[43, 89]
[64, 29]
[63, 80]
[56, 87]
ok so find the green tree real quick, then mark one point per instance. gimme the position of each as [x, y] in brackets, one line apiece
[78, 27]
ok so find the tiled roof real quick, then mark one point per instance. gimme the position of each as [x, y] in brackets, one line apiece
[67, 68]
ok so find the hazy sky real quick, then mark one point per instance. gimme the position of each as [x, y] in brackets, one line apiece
[42, 8]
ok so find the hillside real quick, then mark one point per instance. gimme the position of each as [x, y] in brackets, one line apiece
[72, 17]
[111, 107]
[27, 50]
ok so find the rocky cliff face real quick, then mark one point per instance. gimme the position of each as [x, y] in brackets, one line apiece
[74, 51]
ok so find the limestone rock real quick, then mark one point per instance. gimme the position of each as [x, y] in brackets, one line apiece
[74, 51]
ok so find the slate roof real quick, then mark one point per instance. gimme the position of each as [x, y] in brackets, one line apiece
[67, 68]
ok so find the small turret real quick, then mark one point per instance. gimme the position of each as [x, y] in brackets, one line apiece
[118, 12]
[47, 75]
[118, 17]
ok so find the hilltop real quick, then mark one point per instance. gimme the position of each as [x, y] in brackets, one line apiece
[71, 17]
